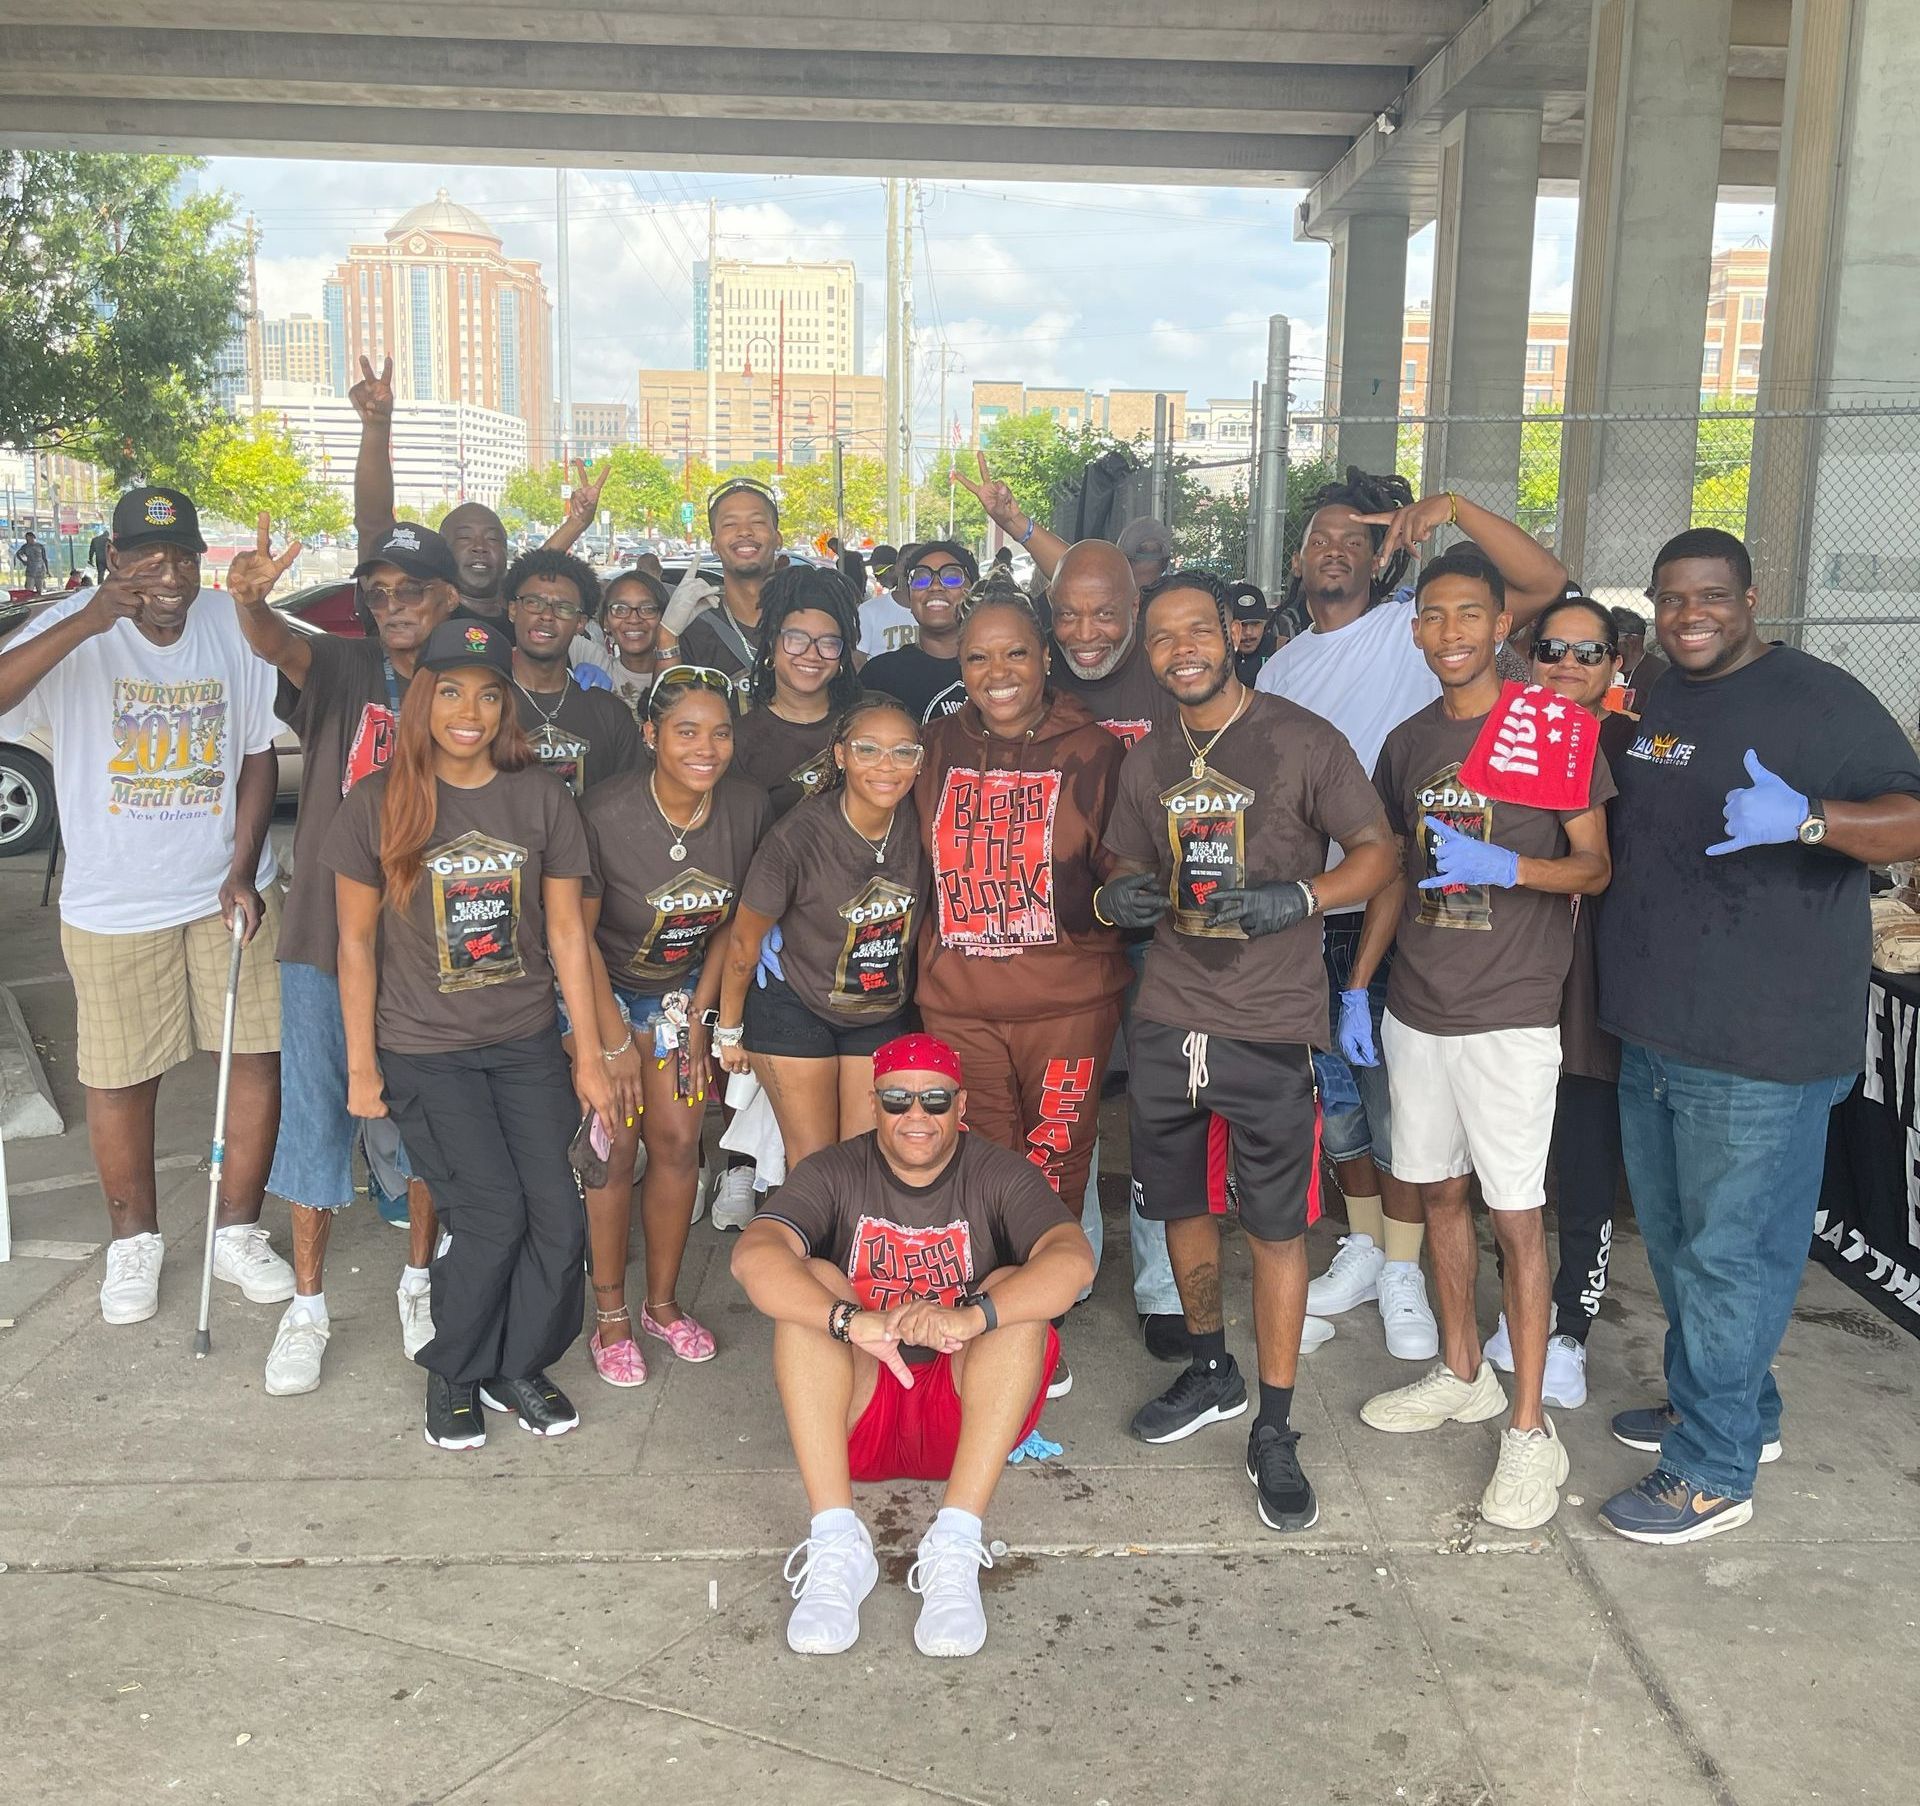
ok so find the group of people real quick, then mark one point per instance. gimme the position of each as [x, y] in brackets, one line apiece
[1344, 898]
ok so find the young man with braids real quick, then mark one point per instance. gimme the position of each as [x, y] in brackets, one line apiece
[1357, 665]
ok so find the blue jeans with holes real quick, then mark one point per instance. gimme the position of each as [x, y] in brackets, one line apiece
[1725, 1173]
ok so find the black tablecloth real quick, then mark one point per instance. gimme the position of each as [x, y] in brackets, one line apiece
[1868, 1229]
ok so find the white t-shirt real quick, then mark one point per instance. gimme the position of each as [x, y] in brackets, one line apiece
[1366, 678]
[147, 746]
[885, 626]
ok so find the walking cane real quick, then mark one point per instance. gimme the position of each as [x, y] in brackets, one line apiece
[202, 1341]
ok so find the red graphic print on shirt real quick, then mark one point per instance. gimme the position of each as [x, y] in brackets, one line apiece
[371, 746]
[1063, 1090]
[993, 860]
[1128, 733]
[892, 1265]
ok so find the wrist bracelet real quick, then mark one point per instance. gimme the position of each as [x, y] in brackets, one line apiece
[1104, 921]
[1307, 890]
[729, 1037]
[1453, 509]
[840, 1316]
[1032, 524]
[626, 1046]
[984, 1303]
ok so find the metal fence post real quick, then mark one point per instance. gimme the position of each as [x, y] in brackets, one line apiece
[1273, 458]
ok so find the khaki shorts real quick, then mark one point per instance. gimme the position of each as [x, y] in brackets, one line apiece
[146, 1001]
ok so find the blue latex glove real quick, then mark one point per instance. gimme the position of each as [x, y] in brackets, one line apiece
[1767, 814]
[1356, 1030]
[769, 964]
[1035, 1448]
[591, 677]
[1463, 860]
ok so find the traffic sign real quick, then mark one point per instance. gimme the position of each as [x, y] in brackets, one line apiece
[686, 514]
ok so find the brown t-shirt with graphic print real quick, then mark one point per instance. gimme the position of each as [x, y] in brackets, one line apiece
[466, 965]
[1277, 786]
[657, 913]
[846, 919]
[787, 759]
[1129, 702]
[1473, 957]
[582, 736]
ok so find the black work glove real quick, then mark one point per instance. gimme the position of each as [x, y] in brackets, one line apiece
[1262, 908]
[1135, 901]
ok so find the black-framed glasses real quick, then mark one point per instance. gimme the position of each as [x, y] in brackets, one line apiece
[1586, 652]
[909, 754]
[634, 611]
[897, 1100]
[794, 641]
[407, 595]
[547, 605]
[925, 576]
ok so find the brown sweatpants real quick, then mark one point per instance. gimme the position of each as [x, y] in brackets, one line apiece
[1035, 1086]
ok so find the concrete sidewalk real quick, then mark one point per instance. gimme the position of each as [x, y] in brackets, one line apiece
[216, 1596]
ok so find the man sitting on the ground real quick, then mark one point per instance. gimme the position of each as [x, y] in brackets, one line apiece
[911, 1275]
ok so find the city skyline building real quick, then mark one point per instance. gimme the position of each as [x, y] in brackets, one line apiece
[673, 414]
[742, 311]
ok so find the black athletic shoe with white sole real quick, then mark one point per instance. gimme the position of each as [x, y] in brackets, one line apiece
[453, 1414]
[540, 1405]
[1286, 1494]
[1193, 1401]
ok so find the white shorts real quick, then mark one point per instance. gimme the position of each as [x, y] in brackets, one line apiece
[1474, 1104]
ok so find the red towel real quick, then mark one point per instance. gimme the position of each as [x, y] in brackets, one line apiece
[1536, 748]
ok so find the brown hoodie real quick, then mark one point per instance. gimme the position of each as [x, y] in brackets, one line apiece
[1013, 828]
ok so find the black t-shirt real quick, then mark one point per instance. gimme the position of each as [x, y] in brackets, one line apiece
[714, 638]
[1753, 962]
[929, 686]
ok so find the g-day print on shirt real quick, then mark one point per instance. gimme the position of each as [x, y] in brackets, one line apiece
[476, 910]
[1447, 799]
[686, 910]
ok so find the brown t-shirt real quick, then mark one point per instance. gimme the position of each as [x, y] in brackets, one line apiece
[344, 715]
[1129, 702]
[657, 913]
[466, 966]
[706, 640]
[846, 919]
[1278, 785]
[1472, 957]
[897, 1242]
[787, 759]
[588, 737]
[1586, 1049]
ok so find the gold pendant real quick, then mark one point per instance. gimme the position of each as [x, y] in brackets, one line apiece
[1199, 766]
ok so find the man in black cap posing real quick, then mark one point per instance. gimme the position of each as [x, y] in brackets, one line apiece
[162, 728]
[342, 697]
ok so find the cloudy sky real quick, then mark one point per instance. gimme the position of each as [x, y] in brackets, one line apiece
[1092, 287]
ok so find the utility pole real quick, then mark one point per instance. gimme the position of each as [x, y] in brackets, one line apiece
[1157, 493]
[256, 350]
[713, 348]
[564, 388]
[780, 392]
[906, 358]
[892, 440]
[1273, 457]
[1253, 489]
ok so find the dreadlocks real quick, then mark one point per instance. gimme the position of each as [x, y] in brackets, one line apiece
[802, 587]
[1364, 494]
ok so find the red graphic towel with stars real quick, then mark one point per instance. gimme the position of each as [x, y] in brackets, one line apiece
[1536, 748]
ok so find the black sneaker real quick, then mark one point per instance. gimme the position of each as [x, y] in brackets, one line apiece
[453, 1414]
[1166, 1336]
[540, 1405]
[1273, 1465]
[1192, 1402]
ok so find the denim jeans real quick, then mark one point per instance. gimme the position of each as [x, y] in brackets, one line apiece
[1154, 1293]
[1725, 1173]
[1365, 1127]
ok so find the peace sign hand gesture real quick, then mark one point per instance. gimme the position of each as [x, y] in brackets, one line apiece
[372, 396]
[993, 495]
[1407, 527]
[584, 503]
[252, 574]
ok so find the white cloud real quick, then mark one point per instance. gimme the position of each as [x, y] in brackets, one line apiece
[291, 285]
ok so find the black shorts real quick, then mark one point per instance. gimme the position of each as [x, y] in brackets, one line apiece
[778, 1023]
[1262, 1090]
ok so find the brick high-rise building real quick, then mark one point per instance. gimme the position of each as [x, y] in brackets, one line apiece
[739, 309]
[297, 349]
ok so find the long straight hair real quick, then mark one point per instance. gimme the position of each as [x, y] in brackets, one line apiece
[408, 809]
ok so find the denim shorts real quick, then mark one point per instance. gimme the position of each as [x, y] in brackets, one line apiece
[313, 1157]
[639, 1012]
[1365, 1127]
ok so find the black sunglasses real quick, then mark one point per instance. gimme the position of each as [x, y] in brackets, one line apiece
[1587, 652]
[897, 1100]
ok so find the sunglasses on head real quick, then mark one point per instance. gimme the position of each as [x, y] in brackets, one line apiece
[1587, 652]
[897, 1100]
[738, 486]
[703, 677]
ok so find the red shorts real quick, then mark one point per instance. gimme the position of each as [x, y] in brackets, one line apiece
[912, 1435]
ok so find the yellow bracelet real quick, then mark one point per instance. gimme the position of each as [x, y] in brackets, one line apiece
[1097, 916]
[1453, 509]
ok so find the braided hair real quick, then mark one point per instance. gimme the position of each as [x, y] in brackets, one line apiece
[1364, 494]
[796, 590]
[868, 702]
[1206, 583]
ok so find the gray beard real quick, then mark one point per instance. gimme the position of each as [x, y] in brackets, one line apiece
[1107, 665]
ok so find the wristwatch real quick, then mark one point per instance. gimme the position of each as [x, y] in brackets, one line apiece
[1814, 829]
[985, 1304]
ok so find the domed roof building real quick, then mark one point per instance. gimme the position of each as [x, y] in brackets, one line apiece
[445, 217]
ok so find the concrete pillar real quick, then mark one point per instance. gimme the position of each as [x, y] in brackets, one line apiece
[1829, 532]
[1649, 177]
[1482, 282]
[1366, 317]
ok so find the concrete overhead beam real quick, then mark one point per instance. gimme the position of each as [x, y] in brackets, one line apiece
[1745, 175]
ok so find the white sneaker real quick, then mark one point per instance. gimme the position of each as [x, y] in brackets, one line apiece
[1412, 1334]
[130, 1293]
[1440, 1396]
[1566, 1381]
[1315, 1332]
[1525, 1489]
[293, 1363]
[830, 1576]
[733, 1199]
[946, 1575]
[1352, 1277]
[243, 1256]
[416, 1319]
[1499, 1346]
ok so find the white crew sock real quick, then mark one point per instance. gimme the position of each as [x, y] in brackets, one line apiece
[837, 1522]
[312, 1305]
[952, 1521]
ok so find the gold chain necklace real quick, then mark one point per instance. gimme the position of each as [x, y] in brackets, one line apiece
[1200, 752]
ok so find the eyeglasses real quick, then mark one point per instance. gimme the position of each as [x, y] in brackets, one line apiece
[546, 605]
[1587, 652]
[795, 640]
[700, 677]
[741, 486]
[379, 599]
[897, 1100]
[909, 755]
[925, 576]
[634, 611]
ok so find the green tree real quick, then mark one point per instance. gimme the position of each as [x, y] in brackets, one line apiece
[235, 468]
[118, 293]
[533, 495]
[1722, 465]
[807, 504]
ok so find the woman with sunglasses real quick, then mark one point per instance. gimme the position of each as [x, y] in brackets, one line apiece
[458, 875]
[630, 613]
[670, 847]
[845, 877]
[803, 675]
[1575, 652]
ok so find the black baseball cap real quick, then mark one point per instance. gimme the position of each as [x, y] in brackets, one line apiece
[1248, 602]
[463, 641]
[417, 550]
[156, 517]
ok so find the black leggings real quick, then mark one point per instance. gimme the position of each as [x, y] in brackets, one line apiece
[1586, 1159]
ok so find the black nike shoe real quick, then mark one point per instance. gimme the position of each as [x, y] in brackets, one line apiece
[1166, 1336]
[1192, 1402]
[1286, 1494]
[539, 1404]
[453, 1414]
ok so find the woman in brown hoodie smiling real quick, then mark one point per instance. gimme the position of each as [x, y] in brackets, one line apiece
[1015, 972]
